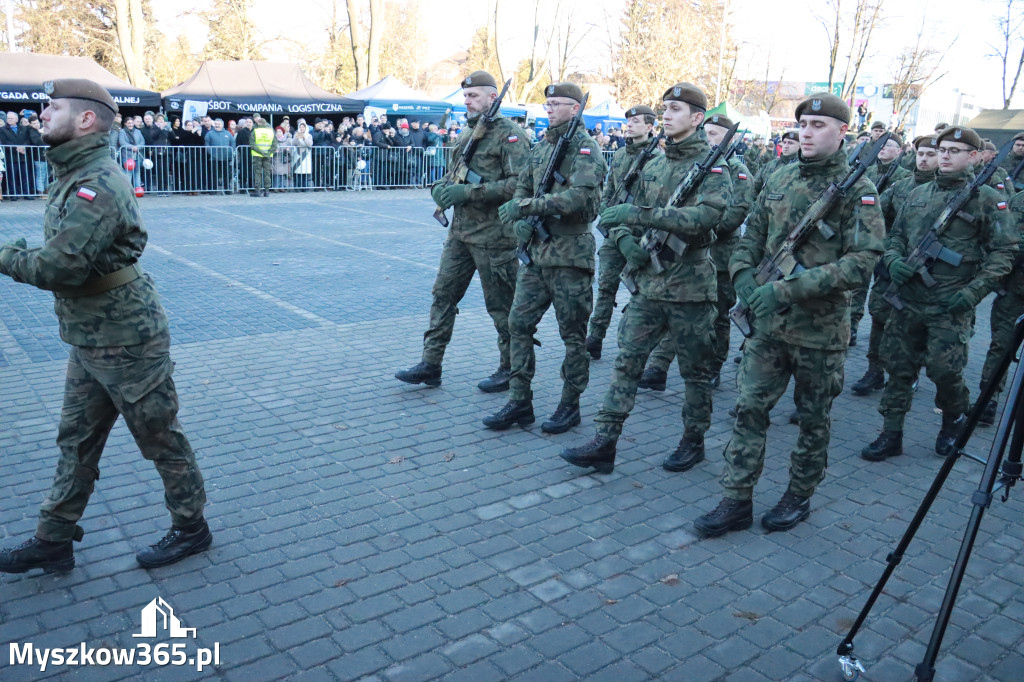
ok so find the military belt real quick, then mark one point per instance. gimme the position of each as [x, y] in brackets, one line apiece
[690, 256]
[98, 285]
[559, 229]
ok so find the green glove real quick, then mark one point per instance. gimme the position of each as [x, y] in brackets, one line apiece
[603, 207]
[961, 302]
[744, 284]
[456, 195]
[7, 254]
[618, 215]
[899, 272]
[523, 230]
[763, 302]
[509, 212]
[636, 255]
[435, 193]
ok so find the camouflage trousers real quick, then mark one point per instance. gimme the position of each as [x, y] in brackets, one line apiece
[688, 328]
[664, 353]
[764, 376]
[262, 178]
[1005, 311]
[459, 261]
[570, 291]
[879, 310]
[134, 382]
[610, 265]
[924, 336]
[858, 297]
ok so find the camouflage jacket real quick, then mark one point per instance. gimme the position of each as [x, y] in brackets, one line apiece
[756, 157]
[1014, 282]
[622, 160]
[499, 158]
[1010, 164]
[727, 234]
[690, 277]
[92, 227]
[570, 208]
[987, 245]
[895, 195]
[909, 161]
[766, 170]
[819, 316]
[1001, 182]
[875, 172]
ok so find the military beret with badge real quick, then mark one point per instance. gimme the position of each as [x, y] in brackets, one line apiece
[926, 142]
[792, 135]
[688, 93]
[79, 88]
[640, 110]
[570, 90]
[719, 120]
[960, 134]
[479, 79]
[824, 104]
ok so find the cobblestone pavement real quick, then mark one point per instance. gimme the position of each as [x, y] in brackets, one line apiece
[364, 528]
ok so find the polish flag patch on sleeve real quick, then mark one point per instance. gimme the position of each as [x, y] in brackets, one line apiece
[86, 193]
[1001, 205]
[513, 138]
[741, 176]
[585, 150]
[867, 201]
[1000, 186]
[716, 169]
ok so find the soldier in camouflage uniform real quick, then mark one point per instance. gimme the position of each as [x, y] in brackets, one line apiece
[758, 155]
[892, 199]
[110, 313]
[1008, 306]
[790, 154]
[477, 240]
[655, 376]
[809, 340]
[639, 128]
[680, 300]
[1014, 159]
[888, 156]
[562, 269]
[936, 323]
[1000, 181]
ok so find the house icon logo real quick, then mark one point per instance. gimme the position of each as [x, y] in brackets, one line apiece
[159, 611]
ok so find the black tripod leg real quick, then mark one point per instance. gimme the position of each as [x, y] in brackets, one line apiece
[847, 660]
[1012, 421]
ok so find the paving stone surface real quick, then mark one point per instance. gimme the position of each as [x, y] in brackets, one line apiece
[367, 529]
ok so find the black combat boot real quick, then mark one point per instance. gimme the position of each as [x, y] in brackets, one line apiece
[689, 454]
[496, 383]
[853, 337]
[594, 346]
[888, 444]
[598, 453]
[873, 380]
[738, 359]
[176, 545]
[515, 412]
[948, 432]
[566, 416]
[52, 557]
[729, 515]
[988, 415]
[654, 379]
[790, 510]
[422, 373]
[794, 417]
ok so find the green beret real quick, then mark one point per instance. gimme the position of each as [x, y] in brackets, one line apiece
[1019, 136]
[79, 88]
[640, 110]
[570, 90]
[824, 104]
[878, 124]
[479, 79]
[989, 145]
[719, 120]
[689, 93]
[926, 142]
[960, 134]
[791, 135]
[897, 138]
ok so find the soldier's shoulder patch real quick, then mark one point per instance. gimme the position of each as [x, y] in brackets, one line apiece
[1001, 205]
[86, 193]
[773, 196]
[742, 176]
[1000, 185]
[867, 201]
[585, 151]
[716, 169]
[513, 138]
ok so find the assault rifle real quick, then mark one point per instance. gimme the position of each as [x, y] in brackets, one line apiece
[929, 249]
[656, 241]
[783, 262]
[624, 192]
[1017, 171]
[548, 180]
[460, 172]
[856, 151]
[731, 151]
[884, 181]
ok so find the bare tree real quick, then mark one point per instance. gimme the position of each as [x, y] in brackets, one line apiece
[357, 37]
[570, 32]
[851, 25]
[377, 20]
[232, 34]
[403, 47]
[914, 70]
[366, 40]
[1011, 26]
[535, 69]
[78, 28]
[131, 27]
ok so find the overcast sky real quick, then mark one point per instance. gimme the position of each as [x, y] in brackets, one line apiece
[795, 40]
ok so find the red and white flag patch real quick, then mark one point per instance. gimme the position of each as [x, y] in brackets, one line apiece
[585, 150]
[867, 201]
[513, 138]
[741, 176]
[1001, 205]
[716, 169]
[86, 193]
[1000, 185]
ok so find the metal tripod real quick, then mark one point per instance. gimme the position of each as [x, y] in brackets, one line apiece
[1002, 471]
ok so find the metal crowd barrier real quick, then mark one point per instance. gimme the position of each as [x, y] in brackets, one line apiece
[25, 171]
